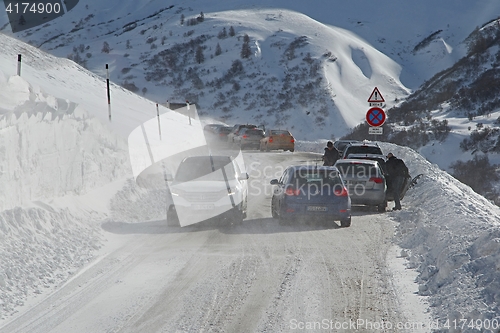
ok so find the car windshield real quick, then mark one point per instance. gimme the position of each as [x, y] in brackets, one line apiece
[225, 130]
[254, 132]
[205, 168]
[280, 132]
[342, 145]
[363, 150]
[352, 170]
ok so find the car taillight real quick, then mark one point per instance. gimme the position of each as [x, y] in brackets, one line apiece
[270, 139]
[341, 193]
[292, 140]
[292, 191]
[245, 136]
[377, 180]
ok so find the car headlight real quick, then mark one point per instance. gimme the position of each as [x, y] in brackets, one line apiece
[229, 191]
[177, 192]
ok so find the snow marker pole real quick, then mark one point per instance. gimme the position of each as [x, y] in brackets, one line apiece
[158, 115]
[19, 65]
[189, 113]
[107, 88]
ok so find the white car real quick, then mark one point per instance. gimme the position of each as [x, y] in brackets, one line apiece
[206, 187]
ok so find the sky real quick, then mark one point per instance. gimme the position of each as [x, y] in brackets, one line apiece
[63, 161]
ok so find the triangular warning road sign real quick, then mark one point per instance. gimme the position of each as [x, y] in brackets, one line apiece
[376, 97]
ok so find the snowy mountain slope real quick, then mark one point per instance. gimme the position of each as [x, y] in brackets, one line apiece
[323, 88]
[399, 31]
[300, 71]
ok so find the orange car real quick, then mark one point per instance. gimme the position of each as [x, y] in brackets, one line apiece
[277, 139]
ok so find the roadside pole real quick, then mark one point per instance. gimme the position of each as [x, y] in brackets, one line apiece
[188, 112]
[19, 65]
[107, 88]
[158, 115]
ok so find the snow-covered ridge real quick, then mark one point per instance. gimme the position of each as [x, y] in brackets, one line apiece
[451, 235]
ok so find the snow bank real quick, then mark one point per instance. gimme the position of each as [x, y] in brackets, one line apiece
[50, 147]
[452, 238]
[40, 248]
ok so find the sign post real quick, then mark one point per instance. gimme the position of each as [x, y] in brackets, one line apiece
[376, 98]
[375, 117]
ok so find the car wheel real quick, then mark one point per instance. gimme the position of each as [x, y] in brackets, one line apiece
[345, 222]
[273, 211]
[282, 221]
[292, 150]
[237, 217]
[172, 218]
[381, 207]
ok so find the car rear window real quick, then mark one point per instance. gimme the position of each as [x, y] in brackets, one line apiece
[319, 177]
[280, 132]
[254, 132]
[363, 150]
[357, 170]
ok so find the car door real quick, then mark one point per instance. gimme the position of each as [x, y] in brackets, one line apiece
[279, 190]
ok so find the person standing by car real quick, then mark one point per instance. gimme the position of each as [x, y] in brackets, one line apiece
[397, 172]
[331, 154]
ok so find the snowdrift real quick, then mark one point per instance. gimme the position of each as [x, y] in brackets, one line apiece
[451, 236]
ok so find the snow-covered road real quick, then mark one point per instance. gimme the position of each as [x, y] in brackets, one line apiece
[256, 277]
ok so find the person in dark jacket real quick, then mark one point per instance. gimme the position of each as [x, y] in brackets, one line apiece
[397, 172]
[331, 154]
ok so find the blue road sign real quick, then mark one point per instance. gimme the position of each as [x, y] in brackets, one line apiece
[375, 117]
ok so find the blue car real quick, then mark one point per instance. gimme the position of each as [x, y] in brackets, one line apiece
[306, 191]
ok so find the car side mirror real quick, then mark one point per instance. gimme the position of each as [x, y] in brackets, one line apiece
[243, 176]
[274, 182]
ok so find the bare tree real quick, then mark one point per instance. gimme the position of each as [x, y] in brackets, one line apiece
[218, 50]
[199, 55]
[246, 51]
[222, 34]
[201, 18]
[105, 47]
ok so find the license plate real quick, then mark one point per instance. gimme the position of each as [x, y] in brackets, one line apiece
[203, 207]
[316, 209]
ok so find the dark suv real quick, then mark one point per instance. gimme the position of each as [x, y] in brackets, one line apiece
[342, 144]
[249, 138]
[236, 131]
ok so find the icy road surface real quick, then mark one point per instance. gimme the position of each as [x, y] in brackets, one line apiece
[255, 277]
